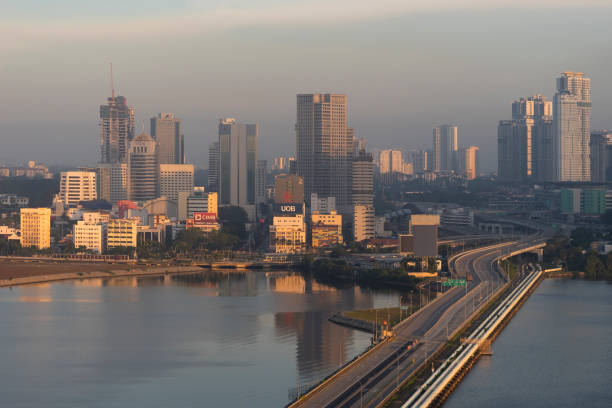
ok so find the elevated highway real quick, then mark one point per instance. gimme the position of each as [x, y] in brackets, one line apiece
[369, 380]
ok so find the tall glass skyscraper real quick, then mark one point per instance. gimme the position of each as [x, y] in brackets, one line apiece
[238, 162]
[445, 148]
[324, 147]
[116, 129]
[166, 130]
[572, 127]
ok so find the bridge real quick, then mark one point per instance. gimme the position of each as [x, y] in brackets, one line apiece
[370, 379]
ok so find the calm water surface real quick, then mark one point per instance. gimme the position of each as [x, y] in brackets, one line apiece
[193, 340]
[556, 352]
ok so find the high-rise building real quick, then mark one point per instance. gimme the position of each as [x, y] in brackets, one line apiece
[77, 186]
[322, 204]
[444, 148]
[543, 153]
[116, 129]
[420, 161]
[522, 141]
[36, 227]
[175, 178]
[363, 179]
[167, 132]
[326, 229]
[288, 188]
[143, 170]
[213, 167]
[324, 147]
[601, 156]
[391, 161]
[572, 127]
[260, 181]
[238, 162]
[122, 232]
[468, 162]
[112, 181]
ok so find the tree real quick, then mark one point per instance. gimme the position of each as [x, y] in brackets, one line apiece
[595, 269]
[606, 218]
[432, 266]
[233, 220]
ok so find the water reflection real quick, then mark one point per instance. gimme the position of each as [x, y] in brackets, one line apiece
[221, 337]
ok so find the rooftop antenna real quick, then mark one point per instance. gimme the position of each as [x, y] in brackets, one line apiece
[112, 81]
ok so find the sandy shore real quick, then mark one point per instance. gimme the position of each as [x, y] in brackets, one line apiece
[22, 273]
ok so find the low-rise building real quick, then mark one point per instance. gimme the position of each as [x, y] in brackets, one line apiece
[288, 229]
[122, 232]
[90, 235]
[12, 200]
[326, 229]
[196, 201]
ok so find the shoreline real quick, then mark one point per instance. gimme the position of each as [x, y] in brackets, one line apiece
[25, 273]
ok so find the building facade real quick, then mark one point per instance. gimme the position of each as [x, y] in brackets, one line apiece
[116, 129]
[112, 181]
[260, 181]
[572, 127]
[324, 146]
[288, 188]
[77, 186]
[363, 179]
[143, 169]
[326, 229]
[288, 229]
[213, 167]
[238, 162]
[468, 162]
[167, 132]
[364, 222]
[175, 178]
[36, 227]
[445, 145]
[122, 232]
[92, 236]
[601, 156]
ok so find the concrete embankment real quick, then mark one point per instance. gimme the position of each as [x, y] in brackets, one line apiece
[353, 323]
[115, 273]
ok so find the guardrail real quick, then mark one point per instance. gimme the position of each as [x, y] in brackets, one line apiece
[437, 382]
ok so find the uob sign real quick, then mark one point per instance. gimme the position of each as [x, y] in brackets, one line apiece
[287, 208]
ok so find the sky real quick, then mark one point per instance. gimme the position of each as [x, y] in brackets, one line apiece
[406, 66]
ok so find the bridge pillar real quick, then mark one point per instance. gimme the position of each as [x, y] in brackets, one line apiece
[540, 253]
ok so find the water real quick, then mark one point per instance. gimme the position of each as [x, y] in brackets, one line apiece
[556, 352]
[190, 340]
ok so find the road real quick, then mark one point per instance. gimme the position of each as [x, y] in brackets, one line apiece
[372, 378]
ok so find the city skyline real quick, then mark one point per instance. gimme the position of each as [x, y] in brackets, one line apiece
[440, 73]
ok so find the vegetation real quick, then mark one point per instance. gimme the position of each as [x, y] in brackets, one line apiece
[39, 191]
[233, 219]
[576, 255]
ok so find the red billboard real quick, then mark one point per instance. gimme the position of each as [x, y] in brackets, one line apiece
[204, 218]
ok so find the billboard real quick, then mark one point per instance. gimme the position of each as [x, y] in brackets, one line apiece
[204, 218]
[288, 209]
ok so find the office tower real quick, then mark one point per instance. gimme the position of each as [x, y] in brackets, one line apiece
[420, 161]
[468, 162]
[112, 181]
[601, 156]
[293, 168]
[572, 127]
[175, 178]
[424, 229]
[391, 161]
[288, 189]
[322, 204]
[116, 129]
[238, 160]
[197, 201]
[213, 167]
[444, 148]
[90, 235]
[77, 186]
[324, 146]
[167, 132]
[143, 170]
[35, 227]
[522, 141]
[363, 222]
[543, 153]
[358, 145]
[260, 181]
[363, 179]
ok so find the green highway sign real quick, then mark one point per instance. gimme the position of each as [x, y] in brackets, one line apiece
[454, 282]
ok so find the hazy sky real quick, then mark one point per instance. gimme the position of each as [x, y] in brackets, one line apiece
[405, 66]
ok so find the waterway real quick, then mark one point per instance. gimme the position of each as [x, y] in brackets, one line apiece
[556, 352]
[204, 339]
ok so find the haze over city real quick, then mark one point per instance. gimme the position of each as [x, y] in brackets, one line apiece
[405, 67]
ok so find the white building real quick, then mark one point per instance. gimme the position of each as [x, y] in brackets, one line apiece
[175, 178]
[572, 127]
[363, 222]
[77, 186]
[95, 217]
[112, 182]
[197, 201]
[90, 235]
[322, 204]
[288, 234]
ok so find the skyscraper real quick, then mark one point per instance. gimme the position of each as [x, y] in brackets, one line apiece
[116, 129]
[444, 148]
[77, 186]
[363, 180]
[468, 162]
[166, 130]
[174, 179]
[288, 188]
[420, 161]
[522, 141]
[324, 147]
[572, 127]
[260, 181]
[213, 167]
[143, 170]
[601, 156]
[238, 162]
